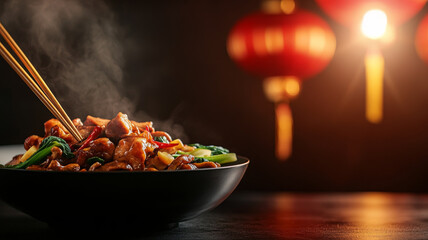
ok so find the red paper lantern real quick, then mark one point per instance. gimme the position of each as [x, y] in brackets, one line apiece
[284, 49]
[421, 40]
[350, 12]
[299, 44]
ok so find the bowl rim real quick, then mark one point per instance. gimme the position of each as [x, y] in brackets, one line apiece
[245, 162]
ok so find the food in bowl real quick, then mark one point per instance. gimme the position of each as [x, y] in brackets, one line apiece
[118, 144]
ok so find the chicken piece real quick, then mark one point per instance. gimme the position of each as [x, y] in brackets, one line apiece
[157, 163]
[207, 165]
[91, 122]
[161, 161]
[77, 122]
[54, 127]
[94, 121]
[85, 131]
[56, 153]
[56, 166]
[188, 166]
[162, 134]
[120, 127]
[37, 168]
[94, 166]
[72, 167]
[103, 148]
[33, 140]
[133, 150]
[183, 159]
[100, 147]
[151, 169]
[115, 166]
[143, 126]
[15, 160]
[187, 148]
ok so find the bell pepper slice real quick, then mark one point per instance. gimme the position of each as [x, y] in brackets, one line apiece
[94, 134]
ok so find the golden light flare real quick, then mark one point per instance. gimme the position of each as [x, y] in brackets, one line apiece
[374, 63]
[237, 47]
[274, 40]
[373, 213]
[281, 88]
[314, 41]
[284, 133]
[277, 7]
[374, 24]
[288, 6]
[301, 40]
[389, 35]
[317, 41]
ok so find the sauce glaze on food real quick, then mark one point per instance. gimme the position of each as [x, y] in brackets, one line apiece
[118, 144]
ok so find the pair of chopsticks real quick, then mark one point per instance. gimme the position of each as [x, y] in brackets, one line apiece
[40, 88]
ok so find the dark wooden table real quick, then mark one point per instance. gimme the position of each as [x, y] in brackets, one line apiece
[276, 216]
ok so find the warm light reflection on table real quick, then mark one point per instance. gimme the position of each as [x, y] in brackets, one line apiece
[348, 216]
[344, 216]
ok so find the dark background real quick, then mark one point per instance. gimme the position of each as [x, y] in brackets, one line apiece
[180, 68]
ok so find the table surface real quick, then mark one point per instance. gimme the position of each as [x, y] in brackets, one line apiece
[277, 216]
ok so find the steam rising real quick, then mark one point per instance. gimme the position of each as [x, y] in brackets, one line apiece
[76, 46]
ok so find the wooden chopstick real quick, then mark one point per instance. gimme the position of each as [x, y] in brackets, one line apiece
[59, 112]
[30, 83]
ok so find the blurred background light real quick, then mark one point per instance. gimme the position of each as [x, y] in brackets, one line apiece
[374, 24]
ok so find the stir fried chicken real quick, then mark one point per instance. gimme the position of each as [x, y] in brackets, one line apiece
[133, 150]
[32, 140]
[118, 144]
[120, 127]
[94, 121]
[115, 166]
[101, 147]
[54, 127]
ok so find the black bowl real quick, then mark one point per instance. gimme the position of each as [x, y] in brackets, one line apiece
[109, 200]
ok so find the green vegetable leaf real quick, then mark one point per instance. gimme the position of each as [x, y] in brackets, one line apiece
[215, 150]
[161, 139]
[219, 154]
[199, 160]
[93, 160]
[222, 158]
[44, 151]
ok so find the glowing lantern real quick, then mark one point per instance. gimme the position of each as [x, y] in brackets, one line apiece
[350, 13]
[421, 40]
[284, 47]
[376, 19]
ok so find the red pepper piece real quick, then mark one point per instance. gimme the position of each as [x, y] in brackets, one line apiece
[160, 144]
[94, 134]
[165, 145]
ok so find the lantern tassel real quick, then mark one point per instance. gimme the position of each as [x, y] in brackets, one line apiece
[374, 64]
[284, 133]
